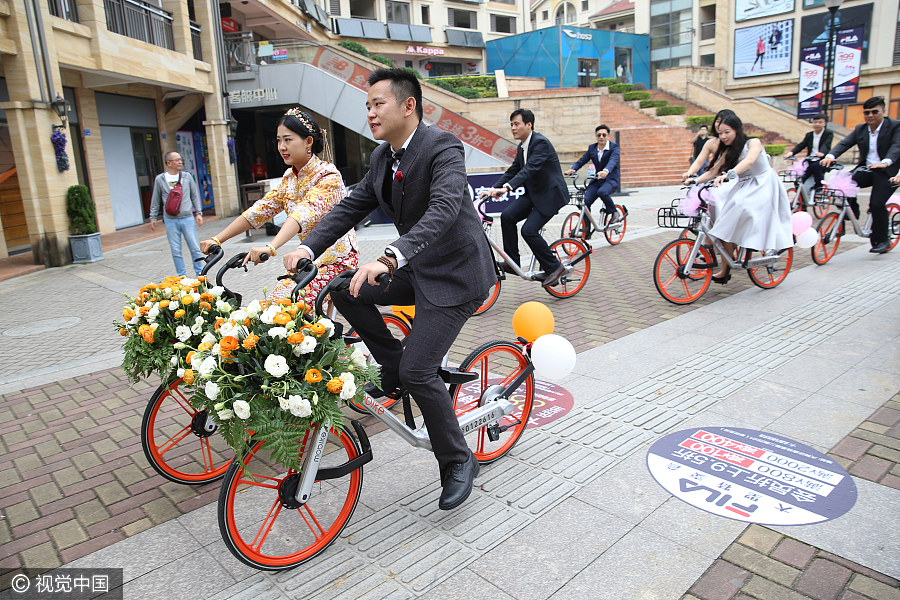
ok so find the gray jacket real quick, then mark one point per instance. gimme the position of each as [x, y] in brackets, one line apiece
[190, 197]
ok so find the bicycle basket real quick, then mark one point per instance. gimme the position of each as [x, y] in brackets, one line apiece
[670, 217]
[829, 196]
[788, 177]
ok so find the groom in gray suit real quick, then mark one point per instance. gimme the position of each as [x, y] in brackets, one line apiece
[441, 262]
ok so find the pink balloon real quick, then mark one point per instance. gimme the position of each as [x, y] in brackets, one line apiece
[800, 222]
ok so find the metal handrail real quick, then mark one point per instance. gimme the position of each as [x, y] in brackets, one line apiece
[141, 21]
[196, 44]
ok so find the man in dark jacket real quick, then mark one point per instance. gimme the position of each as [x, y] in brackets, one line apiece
[817, 143]
[878, 140]
[537, 168]
[605, 156]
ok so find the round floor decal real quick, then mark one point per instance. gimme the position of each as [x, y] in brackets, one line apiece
[751, 476]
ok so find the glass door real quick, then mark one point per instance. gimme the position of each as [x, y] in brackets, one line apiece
[147, 162]
[588, 69]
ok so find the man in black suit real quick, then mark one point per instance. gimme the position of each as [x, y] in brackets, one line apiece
[537, 167]
[441, 262]
[816, 143]
[605, 156]
[878, 140]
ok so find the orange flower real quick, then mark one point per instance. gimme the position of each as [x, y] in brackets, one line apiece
[203, 305]
[334, 386]
[313, 376]
[228, 343]
[179, 313]
[123, 332]
[281, 318]
[202, 278]
[154, 299]
[219, 321]
[144, 310]
[301, 305]
[281, 301]
[188, 358]
[206, 296]
[317, 328]
[264, 304]
[164, 304]
[247, 322]
[295, 338]
[187, 299]
[150, 286]
[204, 346]
[147, 334]
[127, 314]
[250, 341]
[226, 356]
[188, 376]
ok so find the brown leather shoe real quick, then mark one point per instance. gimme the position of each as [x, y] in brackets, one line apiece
[552, 278]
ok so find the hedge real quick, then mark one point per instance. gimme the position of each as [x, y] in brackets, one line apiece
[413, 71]
[382, 59]
[662, 111]
[640, 86]
[652, 103]
[354, 47]
[636, 95]
[620, 88]
[698, 120]
[775, 149]
[605, 82]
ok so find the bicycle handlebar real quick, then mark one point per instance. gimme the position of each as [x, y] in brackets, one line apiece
[215, 255]
[340, 282]
[234, 262]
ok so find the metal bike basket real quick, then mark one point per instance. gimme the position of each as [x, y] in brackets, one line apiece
[670, 217]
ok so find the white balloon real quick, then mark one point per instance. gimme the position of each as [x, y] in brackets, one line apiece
[553, 356]
[808, 238]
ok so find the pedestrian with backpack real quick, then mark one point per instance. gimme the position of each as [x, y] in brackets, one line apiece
[177, 193]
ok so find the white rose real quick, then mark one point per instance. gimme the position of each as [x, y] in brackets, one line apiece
[208, 338]
[276, 365]
[197, 328]
[174, 360]
[347, 377]
[168, 291]
[183, 333]
[226, 329]
[207, 367]
[348, 391]
[196, 360]
[195, 296]
[216, 350]
[278, 332]
[300, 406]
[268, 315]
[242, 409]
[199, 320]
[134, 320]
[283, 403]
[358, 358]
[185, 282]
[306, 346]
[181, 372]
[173, 305]
[296, 350]
[225, 415]
[153, 326]
[238, 316]
[154, 312]
[223, 306]
[211, 389]
[329, 326]
[216, 291]
[254, 308]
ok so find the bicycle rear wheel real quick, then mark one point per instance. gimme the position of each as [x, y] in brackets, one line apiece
[574, 227]
[399, 329]
[491, 299]
[830, 230]
[175, 441]
[615, 235]
[769, 277]
[670, 278]
[568, 250]
[258, 517]
[497, 364]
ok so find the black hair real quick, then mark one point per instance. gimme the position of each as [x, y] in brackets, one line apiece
[822, 116]
[873, 102]
[527, 116]
[305, 127]
[721, 117]
[599, 127]
[732, 152]
[702, 126]
[403, 85]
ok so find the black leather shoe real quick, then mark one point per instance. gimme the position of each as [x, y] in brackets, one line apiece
[391, 384]
[881, 248]
[457, 480]
[553, 277]
[506, 268]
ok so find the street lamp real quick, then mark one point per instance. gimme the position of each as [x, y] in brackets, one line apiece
[833, 6]
[61, 107]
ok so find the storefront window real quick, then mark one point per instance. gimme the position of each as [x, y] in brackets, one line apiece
[397, 12]
[442, 69]
[426, 15]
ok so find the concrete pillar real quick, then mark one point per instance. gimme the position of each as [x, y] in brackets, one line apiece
[94, 160]
[181, 25]
[225, 186]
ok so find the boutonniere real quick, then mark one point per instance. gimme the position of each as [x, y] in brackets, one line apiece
[398, 176]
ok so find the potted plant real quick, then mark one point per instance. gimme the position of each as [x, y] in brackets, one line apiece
[85, 239]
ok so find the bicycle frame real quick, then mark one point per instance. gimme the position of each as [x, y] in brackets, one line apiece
[585, 211]
[741, 262]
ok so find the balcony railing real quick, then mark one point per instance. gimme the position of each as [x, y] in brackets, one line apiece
[64, 9]
[708, 30]
[196, 46]
[141, 21]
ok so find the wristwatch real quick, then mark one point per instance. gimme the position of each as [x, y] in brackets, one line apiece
[390, 253]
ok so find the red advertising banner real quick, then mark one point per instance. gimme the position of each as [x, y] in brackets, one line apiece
[229, 25]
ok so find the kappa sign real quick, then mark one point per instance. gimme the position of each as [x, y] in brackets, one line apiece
[751, 476]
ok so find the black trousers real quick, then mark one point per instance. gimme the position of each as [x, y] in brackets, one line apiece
[522, 208]
[880, 183]
[434, 330]
[814, 170]
[603, 189]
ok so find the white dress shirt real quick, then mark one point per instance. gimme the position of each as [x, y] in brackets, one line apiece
[524, 157]
[817, 137]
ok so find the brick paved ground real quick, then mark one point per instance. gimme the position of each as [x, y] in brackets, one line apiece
[872, 450]
[766, 565]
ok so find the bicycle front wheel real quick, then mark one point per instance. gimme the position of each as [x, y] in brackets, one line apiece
[176, 442]
[574, 252]
[830, 230]
[258, 517]
[670, 278]
[497, 363]
[772, 275]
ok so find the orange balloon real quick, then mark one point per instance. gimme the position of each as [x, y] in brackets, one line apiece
[404, 311]
[532, 320]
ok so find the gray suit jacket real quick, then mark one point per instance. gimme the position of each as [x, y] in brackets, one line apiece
[440, 231]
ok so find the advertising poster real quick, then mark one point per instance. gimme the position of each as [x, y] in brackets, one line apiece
[481, 182]
[814, 28]
[812, 73]
[847, 57]
[763, 49]
[185, 142]
[203, 176]
[744, 10]
[751, 476]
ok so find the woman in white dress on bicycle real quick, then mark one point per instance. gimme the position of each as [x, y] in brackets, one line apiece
[750, 207]
[709, 148]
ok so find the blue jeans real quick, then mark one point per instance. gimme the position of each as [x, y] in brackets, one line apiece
[175, 228]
